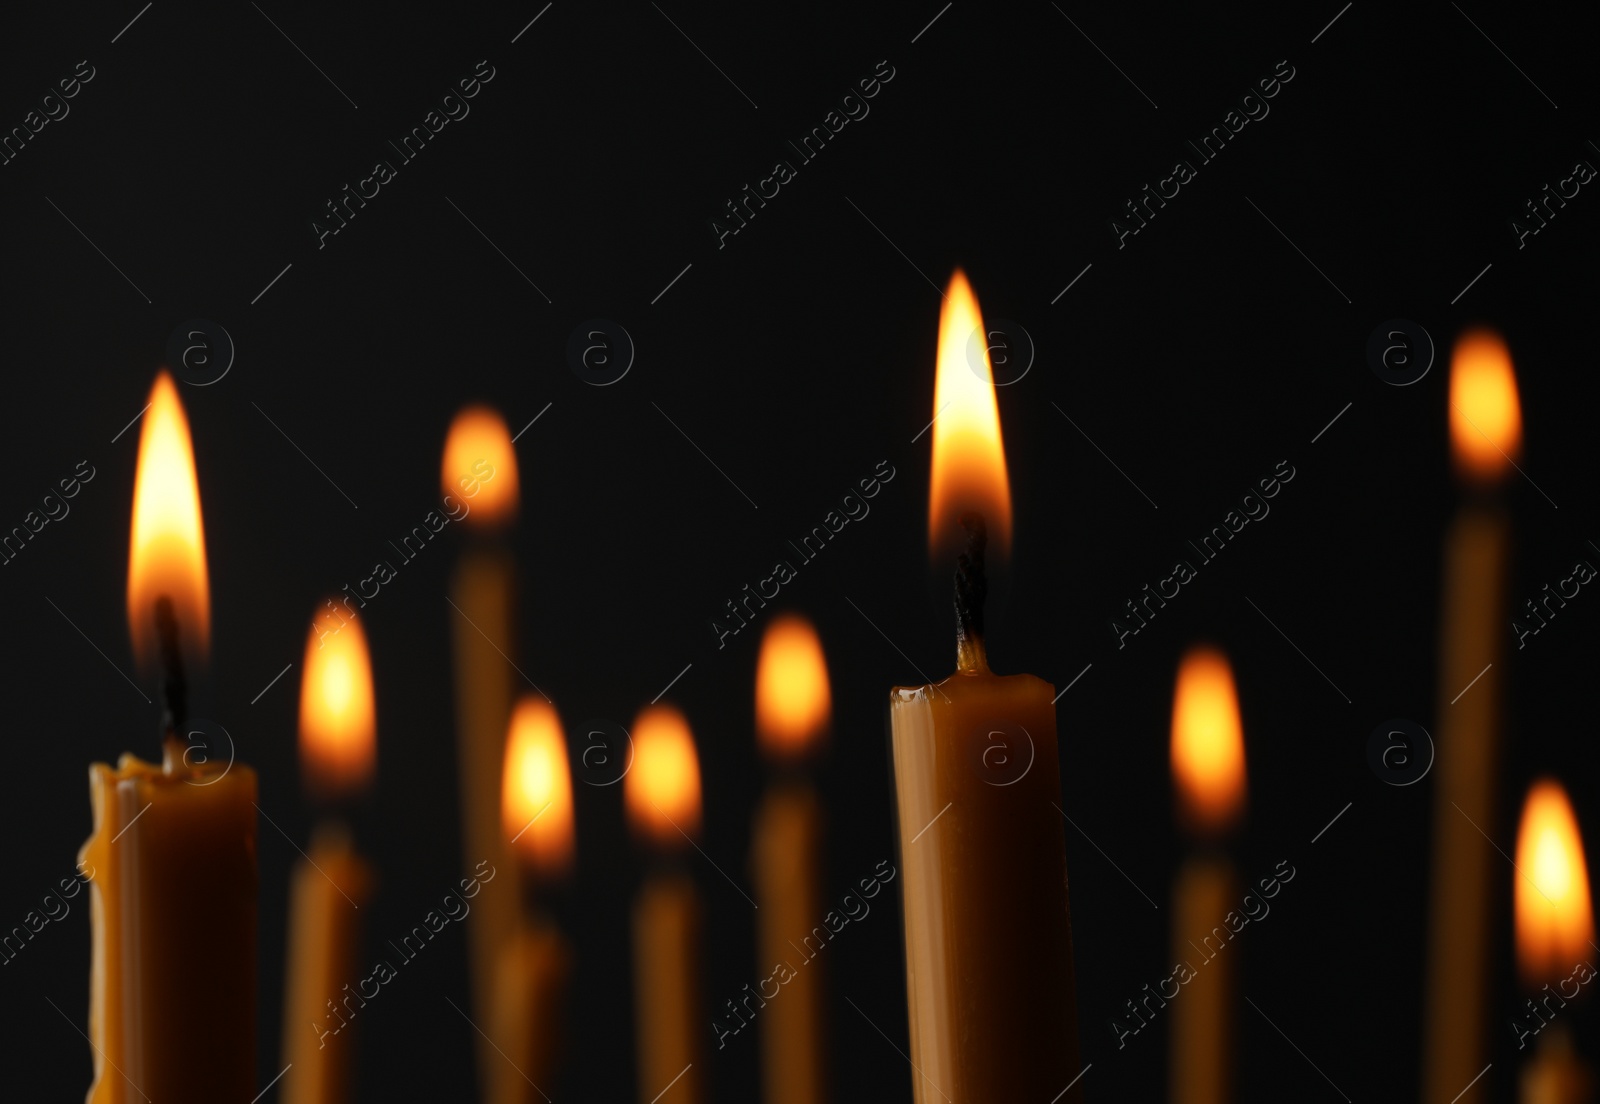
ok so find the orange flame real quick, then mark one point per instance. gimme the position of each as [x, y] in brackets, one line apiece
[536, 788]
[167, 547]
[1207, 742]
[1555, 924]
[338, 720]
[793, 701]
[480, 466]
[969, 459]
[662, 791]
[1485, 414]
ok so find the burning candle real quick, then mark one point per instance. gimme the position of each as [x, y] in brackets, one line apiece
[1485, 436]
[536, 961]
[1555, 932]
[338, 750]
[479, 474]
[793, 703]
[662, 796]
[1208, 774]
[988, 932]
[173, 897]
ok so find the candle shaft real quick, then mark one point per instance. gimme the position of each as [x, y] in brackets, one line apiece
[173, 931]
[989, 972]
[534, 967]
[483, 592]
[326, 890]
[1201, 1069]
[671, 1024]
[785, 857]
[1472, 630]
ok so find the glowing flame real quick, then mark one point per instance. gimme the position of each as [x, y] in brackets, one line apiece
[338, 721]
[1485, 414]
[536, 788]
[480, 466]
[662, 791]
[167, 549]
[793, 701]
[969, 460]
[1207, 742]
[1555, 924]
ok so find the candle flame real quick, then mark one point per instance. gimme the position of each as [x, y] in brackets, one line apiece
[480, 466]
[338, 720]
[1485, 414]
[1554, 921]
[969, 460]
[1207, 742]
[536, 788]
[793, 700]
[662, 791]
[167, 547]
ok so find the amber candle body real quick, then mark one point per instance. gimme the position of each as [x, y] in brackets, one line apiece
[173, 931]
[1472, 631]
[671, 1024]
[535, 964]
[988, 933]
[1202, 1014]
[784, 856]
[482, 590]
[326, 890]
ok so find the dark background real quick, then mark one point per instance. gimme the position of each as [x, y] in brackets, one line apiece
[798, 357]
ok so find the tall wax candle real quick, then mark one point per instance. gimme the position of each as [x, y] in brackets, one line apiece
[1555, 939]
[662, 795]
[328, 885]
[535, 963]
[1208, 774]
[793, 702]
[478, 474]
[988, 936]
[173, 850]
[1485, 435]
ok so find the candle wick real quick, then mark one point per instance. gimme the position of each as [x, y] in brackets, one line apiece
[174, 689]
[972, 589]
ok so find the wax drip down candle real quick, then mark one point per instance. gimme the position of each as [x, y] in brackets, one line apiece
[988, 930]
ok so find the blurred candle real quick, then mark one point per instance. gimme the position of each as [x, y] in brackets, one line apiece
[172, 857]
[1555, 933]
[988, 931]
[536, 819]
[662, 796]
[793, 703]
[338, 751]
[1485, 437]
[478, 472]
[1208, 775]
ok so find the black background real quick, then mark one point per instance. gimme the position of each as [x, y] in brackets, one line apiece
[798, 357]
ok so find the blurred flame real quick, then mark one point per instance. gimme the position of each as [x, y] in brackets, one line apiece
[167, 547]
[1554, 921]
[536, 788]
[1485, 414]
[793, 701]
[662, 791]
[1207, 742]
[969, 460]
[338, 720]
[480, 466]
